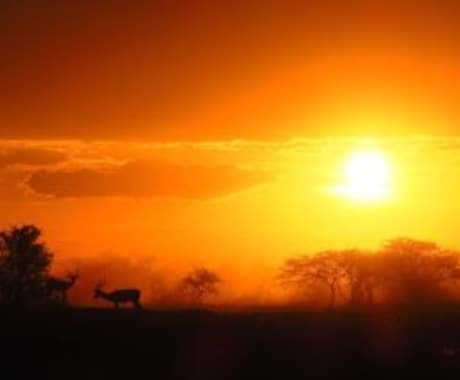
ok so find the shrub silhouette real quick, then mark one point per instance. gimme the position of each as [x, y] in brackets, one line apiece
[24, 265]
[200, 284]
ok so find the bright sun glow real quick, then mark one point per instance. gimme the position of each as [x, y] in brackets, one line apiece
[367, 175]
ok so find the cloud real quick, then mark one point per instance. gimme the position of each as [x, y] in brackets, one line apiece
[146, 179]
[188, 170]
[30, 156]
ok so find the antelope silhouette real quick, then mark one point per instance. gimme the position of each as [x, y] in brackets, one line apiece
[60, 286]
[119, 296]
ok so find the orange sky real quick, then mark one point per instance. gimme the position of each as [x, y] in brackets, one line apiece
[208, 132]
[225, 69]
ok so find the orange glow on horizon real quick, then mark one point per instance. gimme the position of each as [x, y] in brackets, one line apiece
[228, 134]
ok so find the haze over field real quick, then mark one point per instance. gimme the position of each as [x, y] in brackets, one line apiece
[168, 135]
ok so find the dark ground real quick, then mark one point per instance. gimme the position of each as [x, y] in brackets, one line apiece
[129, 344]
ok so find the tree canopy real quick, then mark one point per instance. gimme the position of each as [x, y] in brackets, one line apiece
[200, 284]
[24, 264]
[403, 270]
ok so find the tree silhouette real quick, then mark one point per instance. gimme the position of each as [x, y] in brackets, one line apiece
[416, 270]
[24, 265]
[404, 269]
[324, 268]
[361, 275]
[200, 284]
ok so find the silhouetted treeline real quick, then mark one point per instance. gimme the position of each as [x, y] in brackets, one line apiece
[403, 270]
[25, 277]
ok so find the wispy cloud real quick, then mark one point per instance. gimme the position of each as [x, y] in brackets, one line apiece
[195, 170]
[31, 156]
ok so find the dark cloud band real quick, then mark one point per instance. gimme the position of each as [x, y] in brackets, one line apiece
[144, 179]
[30, 156]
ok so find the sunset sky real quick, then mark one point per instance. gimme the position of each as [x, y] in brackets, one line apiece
[172, 134]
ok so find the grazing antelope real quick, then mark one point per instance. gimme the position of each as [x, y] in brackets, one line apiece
[60, 287]
[119, 296]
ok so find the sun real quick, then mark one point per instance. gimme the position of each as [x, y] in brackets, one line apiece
[367, 176]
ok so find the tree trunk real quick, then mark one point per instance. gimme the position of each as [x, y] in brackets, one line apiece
[332, 295]
[370, 294]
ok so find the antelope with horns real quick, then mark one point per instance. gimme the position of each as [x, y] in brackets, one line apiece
[119, 296]
[56, 286]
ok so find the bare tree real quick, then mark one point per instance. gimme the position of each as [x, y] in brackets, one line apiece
[323, 268]
[351, 273]
[200, 284]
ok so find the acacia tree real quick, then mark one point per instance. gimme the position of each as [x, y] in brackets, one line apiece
[24, 264]
[361, 275]
[323, 268]
[405, 269]
[351, 273]
[416, 270]
[200, 284]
